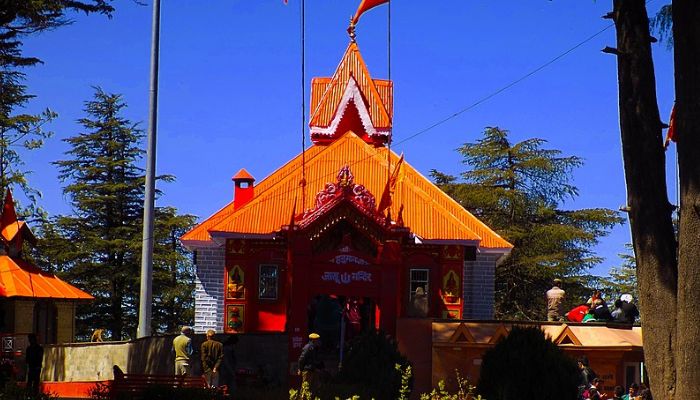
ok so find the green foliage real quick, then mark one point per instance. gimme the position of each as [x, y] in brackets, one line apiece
[465, 391]
[10, 391]
[526, 365]
[518, 189]
[662, 23]
[99, 246]
[374, 363]
[21, 132]
[623, 279]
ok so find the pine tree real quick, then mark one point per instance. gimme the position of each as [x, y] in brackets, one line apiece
[20, 131]
[99, 246]
[518, 190]
[104, 190]
[173, 272]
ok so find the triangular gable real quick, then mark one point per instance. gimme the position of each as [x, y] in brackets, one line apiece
[462, 335]
[430, 213]
[566, 337]
[352, 66]
[500, 333]
[352, 97]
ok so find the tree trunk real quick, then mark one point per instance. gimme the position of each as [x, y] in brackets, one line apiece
[686, 36]
[649, 209]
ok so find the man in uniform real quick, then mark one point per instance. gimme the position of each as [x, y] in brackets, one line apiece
[555, 302]
[309, 361]
[212, 354]
[182, 345]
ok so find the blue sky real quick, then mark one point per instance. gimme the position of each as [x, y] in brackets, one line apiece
[230, 86]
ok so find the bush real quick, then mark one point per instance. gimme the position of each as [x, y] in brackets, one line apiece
[10, 391]
[526, 365]
[370, 366]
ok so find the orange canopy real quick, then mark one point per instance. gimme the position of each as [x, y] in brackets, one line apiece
[21, 279]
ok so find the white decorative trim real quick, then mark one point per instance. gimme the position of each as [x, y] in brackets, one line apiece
[352, 92]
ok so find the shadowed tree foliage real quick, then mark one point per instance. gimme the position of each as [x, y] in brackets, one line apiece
[518, 189]
[20, 131]
[370, 364]
[99, 246]
[527, 365]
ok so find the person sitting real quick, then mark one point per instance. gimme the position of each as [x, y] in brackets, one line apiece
[590, 316]
[601, 311]
[577, 313]
[629, 310]
[617, 314]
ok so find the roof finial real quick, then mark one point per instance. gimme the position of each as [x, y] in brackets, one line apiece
[351, 30]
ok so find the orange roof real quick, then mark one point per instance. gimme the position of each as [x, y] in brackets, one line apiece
[21, 279]
[428, 212]
[327, 93]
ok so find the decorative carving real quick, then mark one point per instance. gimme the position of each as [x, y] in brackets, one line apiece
[344, 187]
[235, 288]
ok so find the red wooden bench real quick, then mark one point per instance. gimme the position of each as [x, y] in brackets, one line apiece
[133, 385]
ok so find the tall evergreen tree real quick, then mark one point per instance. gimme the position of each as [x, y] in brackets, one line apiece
[622, 279]
[21, 131]
[99, 246]
[518, 189]
[173, 272]
[104, 190]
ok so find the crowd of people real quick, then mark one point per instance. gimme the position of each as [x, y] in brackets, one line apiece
[591, 386]
[595, 309]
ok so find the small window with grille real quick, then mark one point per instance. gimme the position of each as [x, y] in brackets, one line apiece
[418, 296]
[269, 282]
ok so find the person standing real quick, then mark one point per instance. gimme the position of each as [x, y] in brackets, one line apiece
[555, 302]
[35, 358]
[310, 362]
[182, 345]
[227, 376]
[212, 353]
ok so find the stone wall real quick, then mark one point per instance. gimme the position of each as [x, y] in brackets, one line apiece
[153, 355]
[479, 286]
[209, 289]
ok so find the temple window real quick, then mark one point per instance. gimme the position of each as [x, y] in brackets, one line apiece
[418, 296]
[269, 282]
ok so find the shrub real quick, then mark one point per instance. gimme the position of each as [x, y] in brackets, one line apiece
[11, 391]
[526, 365]
[371, 364]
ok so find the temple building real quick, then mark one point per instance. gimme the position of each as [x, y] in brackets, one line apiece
[346, 222]
[31, 300]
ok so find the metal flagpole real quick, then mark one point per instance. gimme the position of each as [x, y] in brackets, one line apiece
[303, 107]
[145, 295]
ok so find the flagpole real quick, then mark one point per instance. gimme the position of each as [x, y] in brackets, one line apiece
[391, 126]
[145, 294]
[302, 183]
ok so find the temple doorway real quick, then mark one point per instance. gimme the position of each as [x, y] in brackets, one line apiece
[338, 319]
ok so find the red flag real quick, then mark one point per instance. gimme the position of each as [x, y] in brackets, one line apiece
[671, 133]
[364, 6]
[385, 201]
